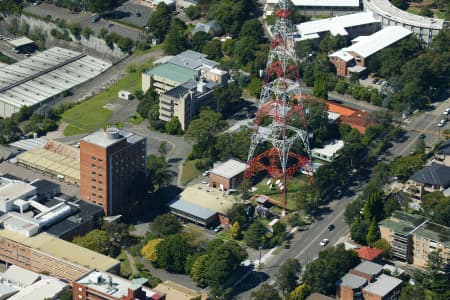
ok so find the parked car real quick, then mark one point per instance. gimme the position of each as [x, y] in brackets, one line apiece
[324, 242]
[206, 173]
[422, 136]
[218, 229]
[331, 227]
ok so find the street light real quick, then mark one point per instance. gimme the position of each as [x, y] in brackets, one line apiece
[259, 262]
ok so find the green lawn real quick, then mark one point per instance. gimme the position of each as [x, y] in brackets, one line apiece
[136, 119]
[294, 186]
[139, 52]
[189, 171]
[90, 114]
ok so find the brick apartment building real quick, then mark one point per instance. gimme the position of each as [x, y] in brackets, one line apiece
[110, 162]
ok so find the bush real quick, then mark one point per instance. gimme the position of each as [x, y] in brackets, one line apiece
[75, 29]
[86, 32]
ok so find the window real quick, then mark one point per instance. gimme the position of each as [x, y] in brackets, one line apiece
[100, 182]
[94, 187]
[93, 173]
[93, 180]
[94, 158]
[93, 165]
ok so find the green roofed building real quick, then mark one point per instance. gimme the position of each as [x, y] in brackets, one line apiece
[412, 238]
[166, 76]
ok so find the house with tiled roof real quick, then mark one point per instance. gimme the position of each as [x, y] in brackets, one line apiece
[435, 177]
[368, 253]
[356, 119]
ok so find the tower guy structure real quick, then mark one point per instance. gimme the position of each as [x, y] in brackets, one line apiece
[280, 120]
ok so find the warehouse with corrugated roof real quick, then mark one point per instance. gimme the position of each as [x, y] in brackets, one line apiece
[45, 76]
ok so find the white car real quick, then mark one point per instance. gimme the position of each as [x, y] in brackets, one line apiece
[206, 173]
[445, 112]
[324, 242]
[440, 124]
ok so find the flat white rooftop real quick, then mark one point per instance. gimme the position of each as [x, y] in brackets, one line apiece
[21, 41]
[378, 41]
[45, 75]
[342, 55]
[336, 25]
[230, 168]
[327, 3]
[384, 7]
[329, 150]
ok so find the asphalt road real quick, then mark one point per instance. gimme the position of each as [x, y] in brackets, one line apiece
[305, 246]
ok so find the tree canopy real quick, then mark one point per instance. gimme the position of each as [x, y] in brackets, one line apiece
[159, 21]
[287, 276]
[166, 224]
[172, 252]
[95, 240]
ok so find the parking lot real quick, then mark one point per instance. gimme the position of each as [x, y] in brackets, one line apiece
[132, 13]
[84, 19]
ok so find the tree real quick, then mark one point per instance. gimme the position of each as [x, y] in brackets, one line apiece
[412, 292]
[373, 209]
[359, 230]
[166, 224]
[265, 292]
[323, 273]
[199, 39]
[244, 50]
[226, 97]
[435, 261]
[213, 49]
[192, 12]
[159, 21]
[200, 269]
[158, 173]
[173, 126]
[75, 28]
[238, 213]
[287, 276]
[95, 240]
[437, 207]
[426, 12]
[149, 250]
[236, 231]
[320, 88]
[125, 44]
[353, 211]
[229, 14]
[86, 32]
[163, 148]
[256, 234]
[119, 233]
[252, 28]
[175, 41]
[224, 261]
[172, 253]
[301, 292]
[207, 124]
[402, 4]
[384, 245]
[372, 234]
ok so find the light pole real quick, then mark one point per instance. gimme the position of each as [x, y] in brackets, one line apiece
[259, 262]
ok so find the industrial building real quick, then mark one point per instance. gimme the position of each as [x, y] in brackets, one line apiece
[327, 7]
[30, 208]
[111, 161]
[20, 284]
[46, 253]
[389, 15]
[106, 286]
[351, 26]
[413, 237]
[58, 160]
[44, 76]
[227, 175]
[203, 205]
[185, 100]
[353, 59]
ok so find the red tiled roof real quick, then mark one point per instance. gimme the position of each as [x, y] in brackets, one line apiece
[368, 253]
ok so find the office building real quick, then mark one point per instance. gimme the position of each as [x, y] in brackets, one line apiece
[111, 161]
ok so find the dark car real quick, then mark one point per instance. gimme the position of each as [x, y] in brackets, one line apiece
[330, 227]
[422, 136]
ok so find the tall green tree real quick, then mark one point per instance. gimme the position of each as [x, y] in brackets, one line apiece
[166, 224]
[372, 234]
[95, 240]
[287, 276]
[373, 209]
[200, 269]
[320, 88]
[101, 6]
[175, 41]
[158, 173]
[159, 21]
[255, 236]
[199, 39]
[265, 292]
[359, 230]
[172, 252]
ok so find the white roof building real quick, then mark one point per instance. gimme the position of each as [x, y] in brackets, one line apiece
[229, 169]
[20, 41]
[328, 152]
[336, 25]
[378, 41]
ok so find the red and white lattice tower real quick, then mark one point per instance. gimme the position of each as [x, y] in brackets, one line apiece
[280, 107]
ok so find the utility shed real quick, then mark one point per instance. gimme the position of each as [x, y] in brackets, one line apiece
[22, 44]
[227, 175]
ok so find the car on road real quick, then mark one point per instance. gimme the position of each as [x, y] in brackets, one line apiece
[422, 136]
[445, 113]
[206, 173]
[442, 122]
[95, 18]
[331, 227]
[324, 242]
[109, 25]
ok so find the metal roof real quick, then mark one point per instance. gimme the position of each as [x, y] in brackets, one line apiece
[45, 75]
[193, 60]
[336, 25]
[198, 211]
[230, 168]
[436, 174]
[6, 291]
[208, 197]
[352, 281]
[342, 55]
[173, 72]
[383, 285]
[29, 144]
[46, 288]
[21, 41]
[327, 3]
[379, 40]
[369, 268]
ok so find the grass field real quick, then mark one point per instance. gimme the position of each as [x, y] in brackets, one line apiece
[294, 186]
[189, 171]
[90, 114]
[136, 120]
